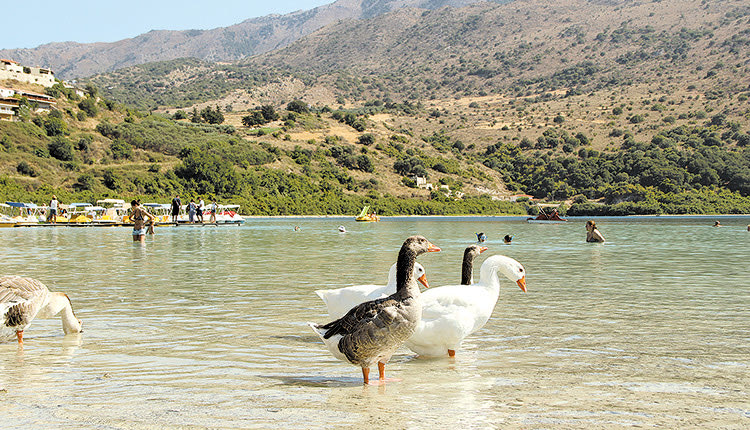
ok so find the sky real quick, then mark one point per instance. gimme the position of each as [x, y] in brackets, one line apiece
[28, 24]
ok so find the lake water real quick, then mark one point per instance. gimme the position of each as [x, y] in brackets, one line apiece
[205, 327]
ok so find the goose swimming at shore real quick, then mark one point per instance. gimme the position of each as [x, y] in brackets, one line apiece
[453, 312]
[372, 331]
[339, 301]
[467, 265]
[23, 299]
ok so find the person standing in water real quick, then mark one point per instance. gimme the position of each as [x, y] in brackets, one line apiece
[214, 207]
[52, 217]
[191, 207]
[138, 215]
[592, 233]
[199, 209]
[176, 203]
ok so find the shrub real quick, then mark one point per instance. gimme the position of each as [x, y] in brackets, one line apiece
[637, 119]
[297, 106]
[88, 105]
[84, 143]
[111, 180]
[61, 149]
[121, 150]
[54, 126]
[366, 139]
[87, 181]
[25, 168]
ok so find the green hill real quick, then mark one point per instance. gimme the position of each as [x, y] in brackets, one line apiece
[613, 107]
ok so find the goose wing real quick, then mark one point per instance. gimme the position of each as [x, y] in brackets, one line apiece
[20, 300]
[17, 289]
[378, 313]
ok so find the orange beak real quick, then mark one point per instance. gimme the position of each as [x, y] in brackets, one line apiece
[423, 280]
[482, 249]
[522, 283]
[432, 248]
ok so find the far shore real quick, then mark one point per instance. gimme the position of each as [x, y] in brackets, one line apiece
[496, 216]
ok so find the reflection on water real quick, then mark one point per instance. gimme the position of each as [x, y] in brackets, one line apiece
[206, 327]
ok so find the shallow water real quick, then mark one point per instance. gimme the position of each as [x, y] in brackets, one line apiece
[205, 327]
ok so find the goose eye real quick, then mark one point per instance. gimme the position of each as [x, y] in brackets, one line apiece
[520, 270]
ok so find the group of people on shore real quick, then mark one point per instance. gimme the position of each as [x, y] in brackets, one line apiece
[194, 210]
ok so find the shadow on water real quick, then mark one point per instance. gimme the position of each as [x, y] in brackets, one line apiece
[299, 339]
[317, 381]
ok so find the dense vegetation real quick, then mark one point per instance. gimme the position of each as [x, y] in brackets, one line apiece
[642, 112]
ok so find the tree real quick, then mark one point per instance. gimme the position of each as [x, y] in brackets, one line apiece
[212, 116]
[364, 163]
[410, 166]
[297, 106]
[195, 116]
[55, 126]
[91, 90]
[88, 105]
[86, 181]
[366, 139]
[269, 113]
[25, 168]
[254, 118]
[61, 149]
[121, 149]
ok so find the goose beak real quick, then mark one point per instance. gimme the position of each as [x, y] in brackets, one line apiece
[522, 283]
[482, 249]
[423, 280]
[432, 248]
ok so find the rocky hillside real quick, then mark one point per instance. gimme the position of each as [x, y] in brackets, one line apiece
[251, 37]
[640, 107]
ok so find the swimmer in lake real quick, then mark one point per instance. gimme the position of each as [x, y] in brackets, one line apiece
[592, 233]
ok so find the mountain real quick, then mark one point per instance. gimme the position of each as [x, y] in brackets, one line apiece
[523, 47]
[619, 107]
[254, 36]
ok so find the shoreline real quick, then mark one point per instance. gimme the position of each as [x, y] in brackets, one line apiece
[495, 216]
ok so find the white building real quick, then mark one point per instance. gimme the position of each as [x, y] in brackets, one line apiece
[10, 100]
[422, 183]
[10, 69]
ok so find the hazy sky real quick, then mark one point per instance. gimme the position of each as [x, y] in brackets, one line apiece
[28, 24]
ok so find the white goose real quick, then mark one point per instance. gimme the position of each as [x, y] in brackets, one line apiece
[372, 331]
[23, 299]
[339, 301]
[453, 312]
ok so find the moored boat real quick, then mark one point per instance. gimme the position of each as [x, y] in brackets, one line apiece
[24, 213]
[227, 215]
[79, 214]
[6, 220]
[162, 212]
[113, 211]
